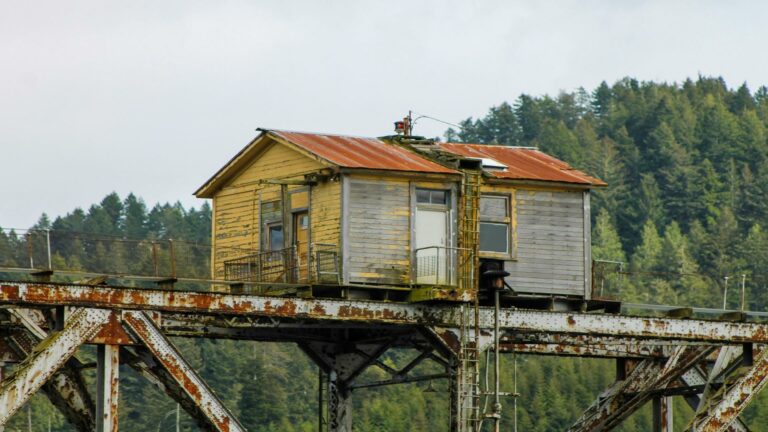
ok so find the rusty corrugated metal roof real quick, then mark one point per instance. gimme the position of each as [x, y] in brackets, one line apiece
[524, 163]
[358, 152]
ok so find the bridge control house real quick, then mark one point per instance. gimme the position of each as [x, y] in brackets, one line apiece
[398, 218]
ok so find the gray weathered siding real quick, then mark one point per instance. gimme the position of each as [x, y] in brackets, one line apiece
[377, 231]
[550, 243]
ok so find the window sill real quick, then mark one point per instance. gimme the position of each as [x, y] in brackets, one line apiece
[498, 256]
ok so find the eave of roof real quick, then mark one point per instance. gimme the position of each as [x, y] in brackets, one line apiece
[524, 163]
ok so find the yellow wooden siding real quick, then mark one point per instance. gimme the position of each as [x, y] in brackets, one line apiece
[325, 215]
[277, 161]
[236, 206]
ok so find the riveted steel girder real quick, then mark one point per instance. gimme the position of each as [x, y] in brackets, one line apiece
[47, 357]
[218, 416]
[379, 312]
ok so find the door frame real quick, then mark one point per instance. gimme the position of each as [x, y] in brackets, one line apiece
[449, 208]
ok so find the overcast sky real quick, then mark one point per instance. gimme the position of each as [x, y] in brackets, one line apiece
[153, 97]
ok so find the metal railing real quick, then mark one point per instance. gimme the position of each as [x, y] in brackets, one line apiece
[272, 266]
[320, 264]
[444, 266]
[325, 263]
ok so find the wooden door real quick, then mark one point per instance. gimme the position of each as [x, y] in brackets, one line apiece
[301, 242]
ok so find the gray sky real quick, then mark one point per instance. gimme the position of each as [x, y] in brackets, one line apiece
[153, 97]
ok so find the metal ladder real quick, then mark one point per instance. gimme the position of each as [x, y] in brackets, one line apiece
[469, 354]
[469, 233]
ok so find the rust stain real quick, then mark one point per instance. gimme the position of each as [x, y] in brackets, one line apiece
[358, 152]
[524, 164]
[112, 333]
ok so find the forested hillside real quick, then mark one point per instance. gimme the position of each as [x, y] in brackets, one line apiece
[686, 207]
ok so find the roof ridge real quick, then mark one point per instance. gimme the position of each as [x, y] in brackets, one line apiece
[316, 133]
[494, 145]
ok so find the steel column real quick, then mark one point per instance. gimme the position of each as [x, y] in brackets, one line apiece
[339, 404]
[662, 414]
[219, 417]
[47, 358]
[108, 374]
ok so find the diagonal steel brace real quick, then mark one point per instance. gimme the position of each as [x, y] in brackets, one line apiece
[47, 357]
[625, 397]
[218, 416]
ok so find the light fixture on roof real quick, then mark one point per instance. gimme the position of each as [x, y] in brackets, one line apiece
[405, 126]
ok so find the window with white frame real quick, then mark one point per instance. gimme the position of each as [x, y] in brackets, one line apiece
[494, 225]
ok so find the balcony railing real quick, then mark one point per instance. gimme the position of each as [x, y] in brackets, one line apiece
[319, 264]
[444, 266]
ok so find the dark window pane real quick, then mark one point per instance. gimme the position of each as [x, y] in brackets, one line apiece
[422, 196]
[438, 196]
[494, 237]
[275, 237]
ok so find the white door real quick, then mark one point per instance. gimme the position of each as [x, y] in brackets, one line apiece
[432, 262]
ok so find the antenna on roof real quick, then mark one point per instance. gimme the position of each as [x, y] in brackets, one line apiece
[405, 126]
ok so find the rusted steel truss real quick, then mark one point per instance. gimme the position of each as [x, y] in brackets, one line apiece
[47, 357]
[696, 377]
[185, 376]
[345, 338]
[626, 396]
[722, 408]
[66, 390]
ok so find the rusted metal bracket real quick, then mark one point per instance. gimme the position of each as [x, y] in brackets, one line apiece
[218, 417]
[723, 407]
[626, 396]
[47, 357]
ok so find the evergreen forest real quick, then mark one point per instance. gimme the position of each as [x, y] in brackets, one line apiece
[685, 218]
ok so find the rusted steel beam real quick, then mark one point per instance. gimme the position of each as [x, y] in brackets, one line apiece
[724, 407]
[218, 416]
[625, 397]
[351, 311]
[66, 390]
[107, 385]
[47, 358]
[586, 350]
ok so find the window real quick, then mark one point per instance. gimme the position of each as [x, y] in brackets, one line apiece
[432, 196]
[494, 224]
[274, 237]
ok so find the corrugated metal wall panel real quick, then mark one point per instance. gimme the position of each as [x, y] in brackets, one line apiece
[378, 231]
[550, 233]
